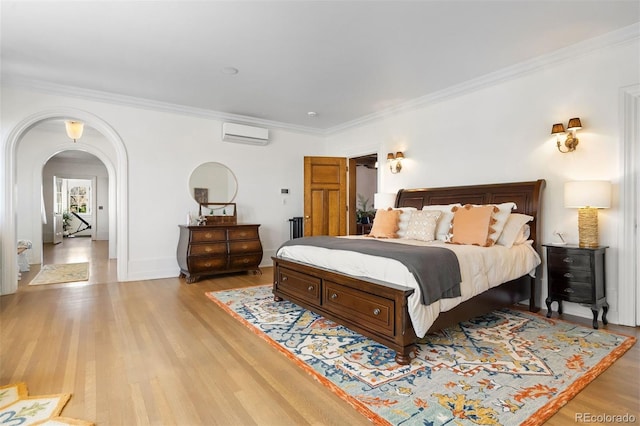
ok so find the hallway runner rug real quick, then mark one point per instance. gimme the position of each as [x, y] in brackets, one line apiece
[18, 408]
[62, 273]
[508, 367]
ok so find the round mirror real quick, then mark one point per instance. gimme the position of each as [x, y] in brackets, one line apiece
[213, 183]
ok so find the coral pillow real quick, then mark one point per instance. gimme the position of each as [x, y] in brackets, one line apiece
[422, 225]
[472, 225]
[385, 224]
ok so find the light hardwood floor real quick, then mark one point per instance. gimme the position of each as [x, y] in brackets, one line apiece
[159, 352]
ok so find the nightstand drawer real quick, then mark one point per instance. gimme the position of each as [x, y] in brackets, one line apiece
[569, 260]
[574, 275]
[571, 291]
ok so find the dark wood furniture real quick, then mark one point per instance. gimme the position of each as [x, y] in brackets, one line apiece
[380, 310]
[218, 249]
[577, 274]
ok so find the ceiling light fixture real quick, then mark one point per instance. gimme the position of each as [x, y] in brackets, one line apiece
[312, 114]
[74, 129]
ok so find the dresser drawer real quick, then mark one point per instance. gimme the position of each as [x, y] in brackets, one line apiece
[207, 249]
[299, 285]
[373, 311]
[245, 261]
[243, 233]
[572, 291]
[207, 264]
[203, 235]
[569, 260]
[248, 246]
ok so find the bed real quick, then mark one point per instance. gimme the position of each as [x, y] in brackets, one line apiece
[382, 309]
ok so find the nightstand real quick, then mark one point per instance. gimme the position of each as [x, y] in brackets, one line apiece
[577, 274]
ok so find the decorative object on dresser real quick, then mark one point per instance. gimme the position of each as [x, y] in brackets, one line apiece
[380, 309]
[218, 213]
[577, 274]
[218, 249]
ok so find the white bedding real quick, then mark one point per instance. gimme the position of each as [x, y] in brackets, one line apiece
[481, 268]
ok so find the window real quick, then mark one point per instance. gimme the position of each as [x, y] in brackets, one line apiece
[79, 196]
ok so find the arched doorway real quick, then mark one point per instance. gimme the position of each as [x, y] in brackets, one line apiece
[114, 157]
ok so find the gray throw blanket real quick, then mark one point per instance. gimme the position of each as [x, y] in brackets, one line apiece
[436, 269]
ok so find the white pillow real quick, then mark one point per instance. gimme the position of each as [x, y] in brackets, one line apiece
[516, 231]
[422, 225]
[403, 222]
[443, 228]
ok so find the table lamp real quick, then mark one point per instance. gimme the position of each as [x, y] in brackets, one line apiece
[587, 196]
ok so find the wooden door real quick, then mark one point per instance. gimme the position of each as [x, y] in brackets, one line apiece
[325, 196]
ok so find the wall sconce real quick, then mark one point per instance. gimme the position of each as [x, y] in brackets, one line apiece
[74, 129]
[571, 142]
[588, 196]
[395, 161]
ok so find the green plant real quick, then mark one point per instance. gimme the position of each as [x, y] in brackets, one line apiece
[66, 221]
[363, 214]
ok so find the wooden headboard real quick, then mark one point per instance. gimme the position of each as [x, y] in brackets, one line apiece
[526, 195]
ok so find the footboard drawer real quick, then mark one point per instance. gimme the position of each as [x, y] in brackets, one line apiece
[299, 285]
[374, 312]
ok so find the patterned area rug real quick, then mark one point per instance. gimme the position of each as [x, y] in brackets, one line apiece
[508, 367]
[17, 408]
[62, 273]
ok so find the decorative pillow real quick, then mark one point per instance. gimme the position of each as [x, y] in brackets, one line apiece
[443, 229]
[473, 225]
[501, 218]
[514, 231]
[422, 225]
[403, 223]
[385, 224]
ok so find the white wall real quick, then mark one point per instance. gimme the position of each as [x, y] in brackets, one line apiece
[501, 133]
[163, 149]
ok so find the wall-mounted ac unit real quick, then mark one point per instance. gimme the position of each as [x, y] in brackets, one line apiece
[240, 133]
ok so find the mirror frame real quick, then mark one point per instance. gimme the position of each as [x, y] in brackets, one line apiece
[216, 165]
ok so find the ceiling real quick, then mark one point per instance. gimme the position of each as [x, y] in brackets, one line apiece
[344, 60]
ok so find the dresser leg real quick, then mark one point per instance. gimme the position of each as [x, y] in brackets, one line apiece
[605, 309]
[559, 307]
[548, 302]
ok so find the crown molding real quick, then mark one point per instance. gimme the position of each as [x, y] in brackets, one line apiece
[624, 35]
[132, 101]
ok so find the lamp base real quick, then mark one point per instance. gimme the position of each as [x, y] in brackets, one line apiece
[588, 227]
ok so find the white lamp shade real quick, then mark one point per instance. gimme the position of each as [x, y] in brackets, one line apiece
[587, 193]
[74, 129]
[384, 200]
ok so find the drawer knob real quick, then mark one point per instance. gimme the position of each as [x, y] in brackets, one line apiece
[208, 249]
[244, 247]
[310, 288]
[208, 235]
[334, 296]
[245, 260]
[567, 260]
[568, 290]
[207, 265]
[284, 278]
[376, 311]
[568, 275]
[243, 234]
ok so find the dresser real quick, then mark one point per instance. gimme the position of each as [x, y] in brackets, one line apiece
[577, 274]
[218, 249]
